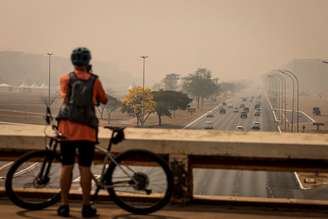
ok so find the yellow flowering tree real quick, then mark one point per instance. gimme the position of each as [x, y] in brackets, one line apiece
[132, 104]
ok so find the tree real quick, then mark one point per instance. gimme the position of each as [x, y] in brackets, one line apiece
[231, 86]
[200, 84]
[112, 104]
[132, 104]
[168, 101]
[171, 81]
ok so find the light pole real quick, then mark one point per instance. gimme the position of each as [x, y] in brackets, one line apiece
[143, 91]
[297, 97]
[276, 100]
[49, 78]
[293, 97]
[280, 95]
[284, 97]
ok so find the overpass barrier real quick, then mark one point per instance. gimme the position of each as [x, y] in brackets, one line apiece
[187, 149]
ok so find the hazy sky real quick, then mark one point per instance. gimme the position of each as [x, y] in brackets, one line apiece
[233, 38]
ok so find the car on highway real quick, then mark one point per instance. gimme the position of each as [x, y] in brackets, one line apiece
[208, 124]
[222, 111]
[243, 115]
[256, 125]
[240, 128]
[210, 115]
[316, 111]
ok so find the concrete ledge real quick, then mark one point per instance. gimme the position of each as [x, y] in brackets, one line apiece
[190, 142]
[188, 149]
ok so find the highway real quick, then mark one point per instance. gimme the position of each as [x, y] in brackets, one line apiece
[247, 183]
[230, 182]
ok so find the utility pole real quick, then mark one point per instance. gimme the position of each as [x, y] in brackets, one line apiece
[49, 78]
[143, 91]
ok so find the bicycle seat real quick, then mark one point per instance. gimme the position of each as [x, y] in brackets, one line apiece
[118, 134]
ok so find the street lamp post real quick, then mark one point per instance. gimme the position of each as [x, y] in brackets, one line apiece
[49, 78]
[293, 97]
[284, 97]
[280, 95]
[276, 93]
[297, 97]
[143, 91]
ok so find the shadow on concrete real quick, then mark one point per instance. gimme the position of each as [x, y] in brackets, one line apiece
[152, 216]
[49, 212]
[245, 209]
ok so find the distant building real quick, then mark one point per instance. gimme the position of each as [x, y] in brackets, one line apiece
[6, 87]
[24, 88]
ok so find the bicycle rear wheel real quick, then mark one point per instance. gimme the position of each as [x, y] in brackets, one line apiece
[139, 182]
[32, 182]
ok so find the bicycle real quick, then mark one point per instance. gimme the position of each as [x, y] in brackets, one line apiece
[127, 177]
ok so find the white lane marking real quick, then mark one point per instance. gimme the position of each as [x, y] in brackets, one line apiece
[299, 182]
[199, 118]
[305, 114]
[274, 114]
[202, 116]
[6, 165]
[24, 112]
[309, 117]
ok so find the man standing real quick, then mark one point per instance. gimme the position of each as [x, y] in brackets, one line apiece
[81, 90]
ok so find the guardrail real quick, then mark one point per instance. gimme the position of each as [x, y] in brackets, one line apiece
[188, 149]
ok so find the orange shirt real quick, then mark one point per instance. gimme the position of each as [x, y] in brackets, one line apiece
[73, 131]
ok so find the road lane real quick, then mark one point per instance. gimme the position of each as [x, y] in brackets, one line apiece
[249, 183]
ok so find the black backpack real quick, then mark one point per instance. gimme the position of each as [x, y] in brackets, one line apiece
[78, 105]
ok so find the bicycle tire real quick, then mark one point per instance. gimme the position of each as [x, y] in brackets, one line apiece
[162, 166]
[30, 159]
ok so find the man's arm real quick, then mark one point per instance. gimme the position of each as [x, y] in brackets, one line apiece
[100, 92]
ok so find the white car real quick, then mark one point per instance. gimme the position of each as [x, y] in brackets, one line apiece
[256, 125]
[208, 125]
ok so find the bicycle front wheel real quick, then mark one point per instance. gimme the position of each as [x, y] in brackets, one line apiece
[139, 181]
[32, 182]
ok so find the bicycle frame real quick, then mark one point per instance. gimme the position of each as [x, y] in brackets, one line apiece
[100, 183]
[109, 157]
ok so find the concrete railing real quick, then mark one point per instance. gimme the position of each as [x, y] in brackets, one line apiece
[188, 149]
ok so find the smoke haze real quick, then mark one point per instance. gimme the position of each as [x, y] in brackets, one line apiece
[235, 39]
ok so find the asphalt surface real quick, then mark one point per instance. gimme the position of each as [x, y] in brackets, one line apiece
[248, 183]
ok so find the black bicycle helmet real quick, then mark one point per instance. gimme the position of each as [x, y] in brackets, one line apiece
[81, 57]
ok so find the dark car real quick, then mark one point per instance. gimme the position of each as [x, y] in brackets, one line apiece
[222, 111]
[316, 111]
[243, 115]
